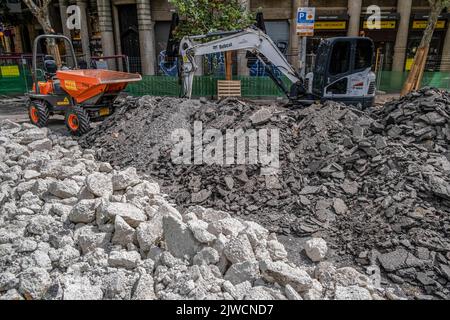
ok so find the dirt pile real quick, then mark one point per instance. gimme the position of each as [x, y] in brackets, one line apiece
[376, 186]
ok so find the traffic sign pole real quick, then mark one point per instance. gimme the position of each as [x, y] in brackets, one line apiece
[303, 57]
[305, 28]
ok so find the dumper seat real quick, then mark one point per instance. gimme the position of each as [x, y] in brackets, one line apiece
[50, 67]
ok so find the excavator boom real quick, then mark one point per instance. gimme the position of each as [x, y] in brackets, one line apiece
[343, 70]
[250, 39]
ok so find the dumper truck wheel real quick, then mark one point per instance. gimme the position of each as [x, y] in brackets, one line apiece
[38, 113]
[77, 121]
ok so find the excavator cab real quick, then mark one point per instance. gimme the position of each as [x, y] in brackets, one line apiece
[343, 71]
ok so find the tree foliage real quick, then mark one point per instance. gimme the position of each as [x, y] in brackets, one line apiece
[203, 16]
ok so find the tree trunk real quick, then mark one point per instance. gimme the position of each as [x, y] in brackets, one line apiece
[42, 15]
[415, 76]
[228, 65]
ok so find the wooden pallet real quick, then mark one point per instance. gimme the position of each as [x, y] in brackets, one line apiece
[228, 88]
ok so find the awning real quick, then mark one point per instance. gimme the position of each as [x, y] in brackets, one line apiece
[331, 22]
[388, 21]
[420, 21]
[425, 16]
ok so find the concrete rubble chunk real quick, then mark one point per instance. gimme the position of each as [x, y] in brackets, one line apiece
[123, 233]
[64, 189]
[34, 283]
[41, 145]
[261, 116]
[211, 215]
[206, 256]
[124, 179]
[241, 272]
[276, 250]
[339, 206]
[145, 288]
[394, 260]
[83, 211]
[128, 212]
[148, 233]
[89, 238]
[99, 184]
[284, 274]
[179, 239]
[30, 135]
[124, 259]
[291, 294]
[80, 288]
[227, 226]
[350, 187]
[105, 167]
[8, 281]
[315, 292]
[316, 249]
[239, 249]
[440, 187]
[199, 230]
[352, 293]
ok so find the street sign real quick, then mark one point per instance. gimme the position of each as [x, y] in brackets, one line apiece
[305, 21]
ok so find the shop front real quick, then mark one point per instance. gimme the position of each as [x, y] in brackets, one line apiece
[383, 38]
[417, 26]
[327, 26]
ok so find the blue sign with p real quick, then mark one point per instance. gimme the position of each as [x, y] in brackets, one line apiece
[305, 17]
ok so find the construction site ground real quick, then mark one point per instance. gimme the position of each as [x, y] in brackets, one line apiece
[374, 184]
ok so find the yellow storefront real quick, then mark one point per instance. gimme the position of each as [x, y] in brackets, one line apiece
[418, 24]
[383, 38]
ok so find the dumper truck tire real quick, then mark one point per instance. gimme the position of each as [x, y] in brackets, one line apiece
[38, 113]
[77, 121]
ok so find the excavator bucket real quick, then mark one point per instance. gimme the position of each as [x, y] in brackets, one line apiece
[84, 85]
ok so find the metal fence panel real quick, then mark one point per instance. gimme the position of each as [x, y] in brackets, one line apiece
[13, 77]
[392, 81]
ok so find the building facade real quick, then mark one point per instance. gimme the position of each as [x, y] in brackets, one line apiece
[139, 29]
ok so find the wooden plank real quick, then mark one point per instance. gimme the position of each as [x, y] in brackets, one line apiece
[228, 88]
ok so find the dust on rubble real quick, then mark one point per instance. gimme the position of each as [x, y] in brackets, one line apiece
[74, 228]
[370, 183]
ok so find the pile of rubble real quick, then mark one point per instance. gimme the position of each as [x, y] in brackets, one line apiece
[75, 228]
[375, 186]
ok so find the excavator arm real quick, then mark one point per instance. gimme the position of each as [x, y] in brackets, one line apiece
[250, 39]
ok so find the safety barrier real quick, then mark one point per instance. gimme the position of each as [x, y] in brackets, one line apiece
[204, 86]
[392, 81]
[15, 79]
[14, 76]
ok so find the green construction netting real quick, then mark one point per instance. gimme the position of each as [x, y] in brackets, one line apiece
[206, 86]
[14, 79]
[392, 81]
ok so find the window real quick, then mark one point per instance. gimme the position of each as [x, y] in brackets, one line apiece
[364, 54]
[339, 87]
[340, 58]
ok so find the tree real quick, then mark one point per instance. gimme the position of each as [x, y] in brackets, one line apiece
[416, 74]
[204, 16]
[39, 9]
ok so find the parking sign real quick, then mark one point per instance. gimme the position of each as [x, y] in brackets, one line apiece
[305, 21]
